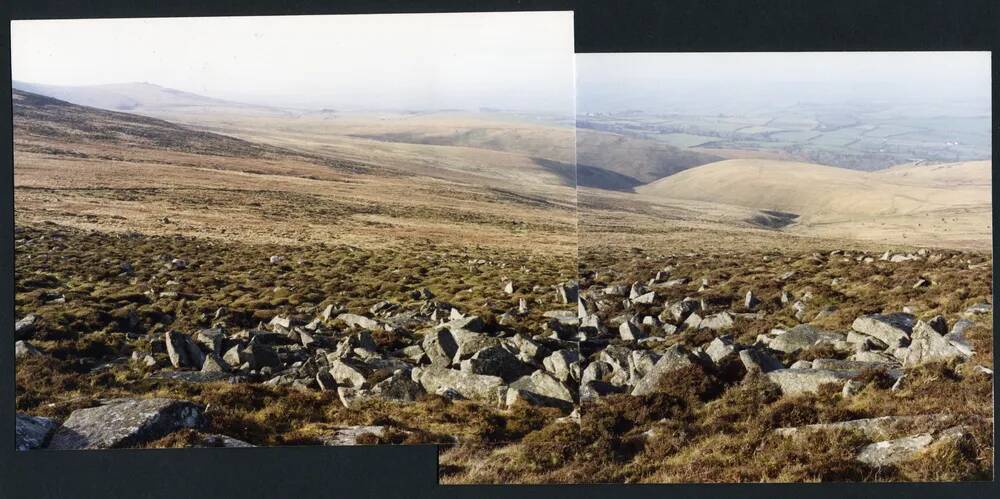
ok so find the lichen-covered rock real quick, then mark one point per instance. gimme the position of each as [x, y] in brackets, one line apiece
[32, 432]
[563, 364]
[958, 339]
[892, 329]
[629, 331]
[890, 368]
[349, 372]
[640, 362]
[440, 347]
[214, 440]
[359, 321]
[717, 322]
[126, 423]
[547, 390]
[399, 386]
[903, 449]
[352, 435]
[874, 428]
[801, 337]
[676, 357]
[214, 363]
[755, 359]
[720, 348]
[798, 381]
[468, 343]
[927, 345]
[495, 361]
[183, 351]
[471, 386]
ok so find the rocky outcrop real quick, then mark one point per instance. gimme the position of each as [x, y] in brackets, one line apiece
[471, 386]
[125, 423]
[892, 329]
[676, 357]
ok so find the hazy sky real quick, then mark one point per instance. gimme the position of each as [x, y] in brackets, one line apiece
[683, 82]
[511, 60]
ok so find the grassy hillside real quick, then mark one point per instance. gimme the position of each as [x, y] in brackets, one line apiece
[640, 160]
[40, 121]
[942, 204]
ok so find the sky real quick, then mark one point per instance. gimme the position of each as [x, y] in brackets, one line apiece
[735, 81]
[517, 60]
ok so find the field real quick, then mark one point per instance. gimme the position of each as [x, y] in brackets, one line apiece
[735, 295]
[291, 280]
[940, 205]
[664, 311]
[857, 136]
[689, 379]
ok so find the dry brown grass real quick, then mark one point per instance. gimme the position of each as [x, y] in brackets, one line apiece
[702, 430]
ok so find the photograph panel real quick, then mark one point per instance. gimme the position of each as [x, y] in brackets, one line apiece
[297, 230]
[786, 268]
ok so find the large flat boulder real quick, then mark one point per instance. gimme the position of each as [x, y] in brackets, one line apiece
[495, 361]
[199, 376]
[892, 329]
[890, 368]
[798, 381]
[126, 423]
[358, 321]
[717, 322]
[352, 435]
[468, 343]
[903, 449]
[545, 388]
[874, 428]
[802, 337]
[479, 387]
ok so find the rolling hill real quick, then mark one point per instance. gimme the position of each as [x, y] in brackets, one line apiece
[40, 122]
[825, 192]
[946, 204]
[616, 162]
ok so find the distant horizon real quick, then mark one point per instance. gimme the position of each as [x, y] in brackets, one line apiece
[511, 60]
[15, 83]
[729, 82]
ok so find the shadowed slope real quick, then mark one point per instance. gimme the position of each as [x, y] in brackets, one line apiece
[40, 120]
